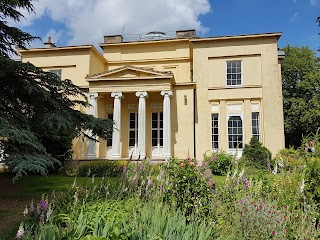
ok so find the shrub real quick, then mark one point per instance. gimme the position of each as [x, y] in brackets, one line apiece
[186, 188]
[256, 154]
[312, 179]
[220, 163]
[102, 168]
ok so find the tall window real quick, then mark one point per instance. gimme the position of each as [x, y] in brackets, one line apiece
[255, 125]
[234, 73]
[133, 130]
[215, 130]
[57, 72]
[157, 129]
[235, 132]
[109, 139]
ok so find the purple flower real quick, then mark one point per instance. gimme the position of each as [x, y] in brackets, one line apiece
[134, 170]
[20, 232]
[246, 183]
[124, 170]
[31, 209]
[301, 167]
[41, 218]
[150, 182]
[134, 179]
[43, 204]
[141, 167]
[213, 158]
[204, 164]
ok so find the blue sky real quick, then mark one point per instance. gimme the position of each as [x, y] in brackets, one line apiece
[71, 22]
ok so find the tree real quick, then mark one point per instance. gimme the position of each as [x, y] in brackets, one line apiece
[38, 119]
[301, 93]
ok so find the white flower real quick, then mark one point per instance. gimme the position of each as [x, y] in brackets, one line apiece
[302, 186]
[241, 173]
[228, 176]
[25, 212]
[275, 170]
[235, 173]
[20, 232]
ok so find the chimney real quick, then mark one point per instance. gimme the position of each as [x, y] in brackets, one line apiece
[113, 39]
[49, 44]
[186, 33]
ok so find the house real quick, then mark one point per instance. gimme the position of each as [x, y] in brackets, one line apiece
[174, 96]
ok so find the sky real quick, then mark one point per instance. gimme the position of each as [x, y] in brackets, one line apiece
[74, 22]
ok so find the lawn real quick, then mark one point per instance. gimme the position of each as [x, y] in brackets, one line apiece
[15, 196]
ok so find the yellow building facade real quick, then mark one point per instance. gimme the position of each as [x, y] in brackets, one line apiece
[175, 96]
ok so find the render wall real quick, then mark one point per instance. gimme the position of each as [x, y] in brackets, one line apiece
[261, 91]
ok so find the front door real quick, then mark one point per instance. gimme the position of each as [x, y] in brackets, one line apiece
[157, 134]
[133, 134]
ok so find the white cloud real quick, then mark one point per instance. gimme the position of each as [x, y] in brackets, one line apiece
[313, 2]
[88, 21]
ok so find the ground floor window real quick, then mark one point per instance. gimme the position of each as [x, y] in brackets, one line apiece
[133, 129]
[157, 133]
[235, 132]
[215, 131]
[255, 125]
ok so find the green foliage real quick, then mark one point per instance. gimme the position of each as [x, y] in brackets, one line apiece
[12, 36]
[256, 155]
[312, 179]
[102, 168]
[301, 93]
[219, 163]
[38, 119]
[186, 187]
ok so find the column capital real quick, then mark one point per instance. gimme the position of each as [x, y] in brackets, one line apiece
[142, 94]
[93, 95]
[116, 94]
[166, 93]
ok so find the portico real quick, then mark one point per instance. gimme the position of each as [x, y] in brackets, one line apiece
[140, 109]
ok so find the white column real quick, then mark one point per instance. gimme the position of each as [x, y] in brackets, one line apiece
[116, 134]
[94, 112]
[142, 124]
[166, 123]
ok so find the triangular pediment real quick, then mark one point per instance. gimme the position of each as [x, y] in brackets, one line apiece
[129, 72]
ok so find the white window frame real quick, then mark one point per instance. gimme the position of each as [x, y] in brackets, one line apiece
[57, 72]
[243, 130]
[133, 149]
[241, 65]
[158, 149]
[212, 131]
[258, 125]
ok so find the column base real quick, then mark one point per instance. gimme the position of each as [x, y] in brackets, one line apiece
[91, 156]
[115, 156]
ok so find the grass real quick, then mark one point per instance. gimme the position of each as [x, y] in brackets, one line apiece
[15, 196]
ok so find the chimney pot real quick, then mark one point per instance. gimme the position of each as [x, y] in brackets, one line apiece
[49, 44]
[186, 33]
[113, 39]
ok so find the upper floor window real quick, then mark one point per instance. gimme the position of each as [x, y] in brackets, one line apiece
[234, 73]
[57, 72]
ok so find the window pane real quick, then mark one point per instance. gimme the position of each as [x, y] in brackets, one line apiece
[154, 116]
[132, 116]
[154, 124]
[132, 124]
[154, 142]
[131, 142]
[154, 133]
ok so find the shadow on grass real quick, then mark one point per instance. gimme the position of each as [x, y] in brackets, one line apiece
[15, 196]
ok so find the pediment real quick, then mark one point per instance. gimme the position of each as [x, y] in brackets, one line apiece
[129, 72]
